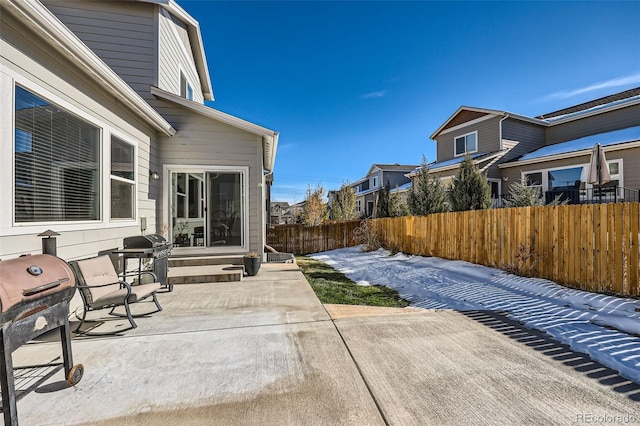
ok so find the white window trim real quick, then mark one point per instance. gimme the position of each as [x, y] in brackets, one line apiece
[181, 73]
[375, 182]
[118, 178]
[8, 80]
[185, 168]
[465, 145]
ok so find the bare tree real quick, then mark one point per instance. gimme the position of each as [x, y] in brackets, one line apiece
[315, 208]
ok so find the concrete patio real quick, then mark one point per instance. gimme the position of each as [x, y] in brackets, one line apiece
[266, 351]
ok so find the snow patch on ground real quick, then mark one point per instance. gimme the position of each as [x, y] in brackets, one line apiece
[605, 327]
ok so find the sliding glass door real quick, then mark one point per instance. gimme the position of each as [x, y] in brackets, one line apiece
[207, 208]
[224, 208]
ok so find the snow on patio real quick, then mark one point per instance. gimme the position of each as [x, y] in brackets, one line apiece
[605, 327]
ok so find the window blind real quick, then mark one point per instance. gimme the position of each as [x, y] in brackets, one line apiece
[56, 161]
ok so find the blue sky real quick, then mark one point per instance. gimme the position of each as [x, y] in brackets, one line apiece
[350, 84]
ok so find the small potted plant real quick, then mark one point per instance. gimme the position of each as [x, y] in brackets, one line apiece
[252, 263]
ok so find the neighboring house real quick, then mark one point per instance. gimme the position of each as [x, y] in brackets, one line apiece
[550, 151]
[281, 213]
[376, 178]
[296, 211]
[105, 133]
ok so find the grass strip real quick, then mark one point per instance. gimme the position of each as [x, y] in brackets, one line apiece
[332, 286]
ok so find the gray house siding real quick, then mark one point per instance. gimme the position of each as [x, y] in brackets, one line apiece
[32, 63]
[488, 138]
[394, 179]
[606, 122]
[528, 135]
[121, 33]
[175, 56]
[202, 141]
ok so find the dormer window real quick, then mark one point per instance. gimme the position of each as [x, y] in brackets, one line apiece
[375, 181]
[186, 91]
[466, 144]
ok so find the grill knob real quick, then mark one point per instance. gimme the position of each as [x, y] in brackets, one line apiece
[34, 270]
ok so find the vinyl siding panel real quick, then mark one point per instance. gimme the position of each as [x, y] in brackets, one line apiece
[121, 33]
[488, 138]
[394, 178]
[606, 122]
[202, 141]
[529, 137]
[175, 55]
[42, 71]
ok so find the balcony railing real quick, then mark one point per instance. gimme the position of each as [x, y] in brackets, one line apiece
[609, 194]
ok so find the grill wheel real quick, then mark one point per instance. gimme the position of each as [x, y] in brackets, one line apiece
[75, 374]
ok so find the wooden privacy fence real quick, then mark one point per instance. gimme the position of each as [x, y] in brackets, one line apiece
[593, 247]
[301, 239]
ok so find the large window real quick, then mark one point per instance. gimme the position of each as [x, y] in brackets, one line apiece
[57, 163]
[564, 179]
[122, 179]
[466, 144]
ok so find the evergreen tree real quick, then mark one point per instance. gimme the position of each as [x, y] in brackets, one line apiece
[523, 195]
[343, 206]
[427, 195]
[469, 189]
[383, 206]
[397, 206]
[315, 208]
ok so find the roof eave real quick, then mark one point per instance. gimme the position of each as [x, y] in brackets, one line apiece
[580, 115]
[571, 154]
[492, 112]
[65, 42]
[269, 137]
[461, 108]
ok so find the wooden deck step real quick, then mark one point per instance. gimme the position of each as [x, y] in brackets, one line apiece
[205, 274]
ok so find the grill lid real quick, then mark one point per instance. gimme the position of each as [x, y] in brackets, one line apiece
[144, 241]
[29, 278]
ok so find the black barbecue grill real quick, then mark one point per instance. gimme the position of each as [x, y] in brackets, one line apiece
[34, 299]
[152, 246]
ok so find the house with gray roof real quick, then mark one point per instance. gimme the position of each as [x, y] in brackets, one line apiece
[551, 151]
[376, 179]
[105, 133]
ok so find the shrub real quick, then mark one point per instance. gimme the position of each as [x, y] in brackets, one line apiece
[367, 236]
[524, 260]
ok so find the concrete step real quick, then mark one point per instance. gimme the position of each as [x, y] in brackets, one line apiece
[205, 260]
[205, 274]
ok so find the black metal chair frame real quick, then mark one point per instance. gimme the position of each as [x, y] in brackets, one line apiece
[124, 301]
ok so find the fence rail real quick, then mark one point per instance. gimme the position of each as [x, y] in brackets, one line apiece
[301, 239]
[593, 247]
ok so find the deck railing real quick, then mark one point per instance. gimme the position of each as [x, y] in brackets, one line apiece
[610, 194]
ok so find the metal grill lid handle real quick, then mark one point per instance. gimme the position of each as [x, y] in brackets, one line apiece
[43, 287]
